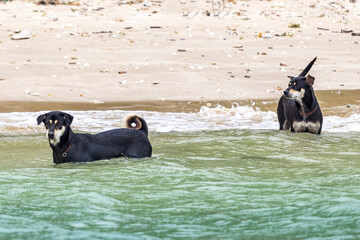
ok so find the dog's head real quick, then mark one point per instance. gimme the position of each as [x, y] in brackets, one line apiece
[299, 87]
[55, 123]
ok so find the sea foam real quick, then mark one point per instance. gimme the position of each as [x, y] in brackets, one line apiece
[216, 118]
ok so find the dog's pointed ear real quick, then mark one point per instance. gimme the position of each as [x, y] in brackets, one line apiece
[68, 119]
[308, 67]
[291, 77]
[310, 80]
[41, 118]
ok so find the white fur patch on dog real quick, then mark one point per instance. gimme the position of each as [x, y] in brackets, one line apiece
[296, 95]
[57, 136]
[132, 121]
[313, 127]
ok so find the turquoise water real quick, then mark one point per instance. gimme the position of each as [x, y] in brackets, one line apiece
[226, 184]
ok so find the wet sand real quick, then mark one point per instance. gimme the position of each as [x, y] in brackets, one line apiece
[332, 102]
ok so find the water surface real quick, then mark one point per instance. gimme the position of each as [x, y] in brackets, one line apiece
[244, 180]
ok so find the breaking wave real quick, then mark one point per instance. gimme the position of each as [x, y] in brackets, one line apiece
[216, 118]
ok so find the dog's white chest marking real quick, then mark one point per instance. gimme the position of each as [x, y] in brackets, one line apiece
[313, 127]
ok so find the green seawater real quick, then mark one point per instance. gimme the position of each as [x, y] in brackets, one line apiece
[229, 184]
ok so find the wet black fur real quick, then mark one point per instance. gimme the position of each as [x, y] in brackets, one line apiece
[87, 147]
[290, 111]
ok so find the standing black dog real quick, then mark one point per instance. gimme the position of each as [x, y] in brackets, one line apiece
[298, 108]
[131, 141]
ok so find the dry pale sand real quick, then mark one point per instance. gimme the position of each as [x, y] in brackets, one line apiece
[170, 50]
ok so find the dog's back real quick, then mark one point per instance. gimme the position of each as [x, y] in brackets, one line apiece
[130, 141]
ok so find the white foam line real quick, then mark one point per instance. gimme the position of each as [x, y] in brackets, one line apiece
[219, 118]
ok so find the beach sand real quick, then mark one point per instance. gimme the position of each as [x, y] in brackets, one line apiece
[109, 54]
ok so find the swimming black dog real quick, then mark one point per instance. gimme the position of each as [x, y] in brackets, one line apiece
[298, 108]
[131, 141]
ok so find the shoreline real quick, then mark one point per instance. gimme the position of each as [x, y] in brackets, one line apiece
[332, 102]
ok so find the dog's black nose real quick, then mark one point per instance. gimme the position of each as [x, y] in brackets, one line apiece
[286, 92]
[51, 135]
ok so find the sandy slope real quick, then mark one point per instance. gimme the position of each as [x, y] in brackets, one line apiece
[150, 51]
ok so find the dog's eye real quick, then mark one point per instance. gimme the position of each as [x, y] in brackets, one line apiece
[289, 84]
[295, 83]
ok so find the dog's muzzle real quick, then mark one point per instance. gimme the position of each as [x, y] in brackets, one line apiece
[295, 95]
[286, 93]
[51, 135]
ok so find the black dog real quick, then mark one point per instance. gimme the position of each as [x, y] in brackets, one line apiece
[298, 108]
[131, 141]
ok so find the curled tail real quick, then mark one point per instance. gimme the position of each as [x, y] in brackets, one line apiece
[134, 121]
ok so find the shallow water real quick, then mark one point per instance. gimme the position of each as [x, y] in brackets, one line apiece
[245, 180]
